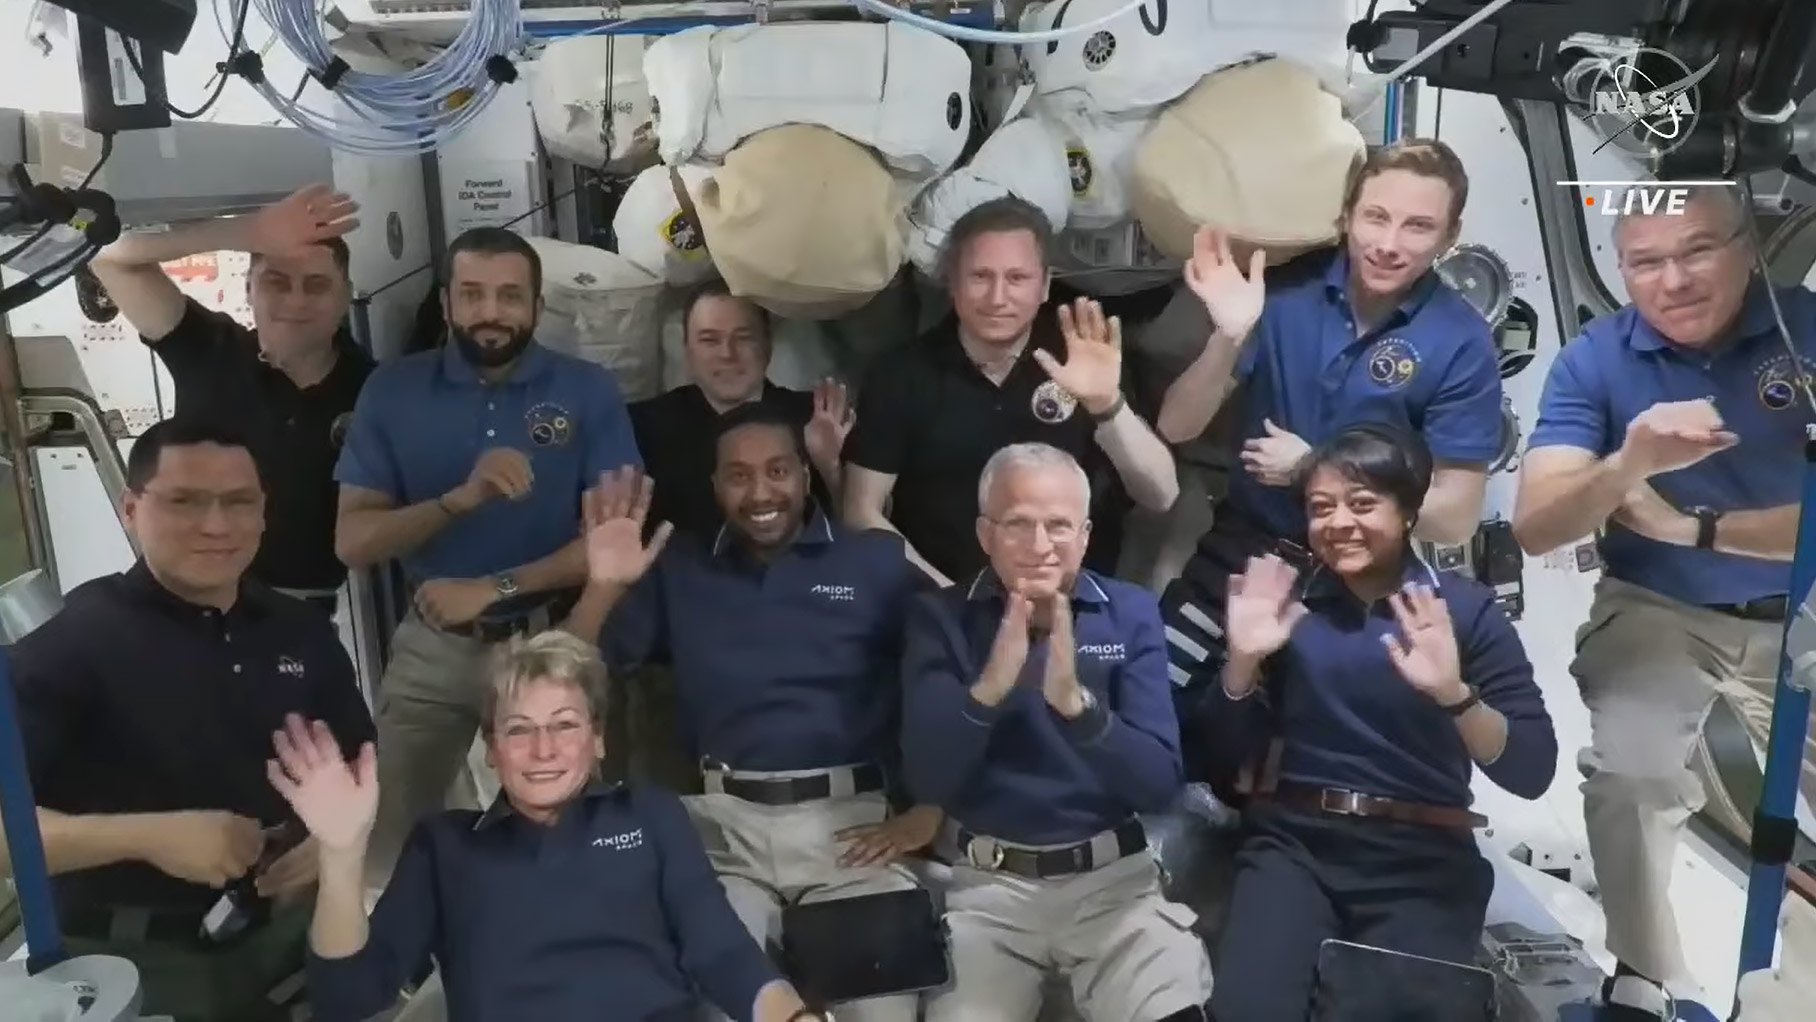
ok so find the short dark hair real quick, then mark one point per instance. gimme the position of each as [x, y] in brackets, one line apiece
[997, 216]
[148, 450]
[337, 247]
[1383, 457]
[760, 413]
[493, 241]
[717, 288]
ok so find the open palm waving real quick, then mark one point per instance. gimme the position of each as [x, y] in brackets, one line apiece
[336, 800]
[614, 514]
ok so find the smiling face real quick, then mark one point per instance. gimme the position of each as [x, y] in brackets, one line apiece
[1036, 526]
[1688, 273]
[761, 482]
[545, 746]
[199, 518]
[298, 301]
[728, 349]
[1399, 225]
[999, 282]
[1355, 529]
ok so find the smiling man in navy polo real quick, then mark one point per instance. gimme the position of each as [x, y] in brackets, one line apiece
[1364, 332]
[1037, 714]
[1678, 423]
[784, 633]
[468, 464]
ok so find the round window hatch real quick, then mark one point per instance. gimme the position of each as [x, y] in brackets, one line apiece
[1481, 276]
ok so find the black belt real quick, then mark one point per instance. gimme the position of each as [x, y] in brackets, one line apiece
[1338, 802]
[500, 629]
[1047, 863]
[789, 791]
[1766, 608]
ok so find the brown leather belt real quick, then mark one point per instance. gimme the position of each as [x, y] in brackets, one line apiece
[1337, 802]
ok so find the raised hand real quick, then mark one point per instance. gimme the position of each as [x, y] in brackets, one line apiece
[831, 423]
[1234, 299]
[1675, 434]
[1261, 611]
[306, 217]
[1092, 372]
[1425, 651]
[614, 513]
[1274, 457]
[336, 800]
[1060, 682]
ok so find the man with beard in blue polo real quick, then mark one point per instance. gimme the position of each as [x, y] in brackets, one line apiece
[467, 464]
[1363, 332]
[784, 631]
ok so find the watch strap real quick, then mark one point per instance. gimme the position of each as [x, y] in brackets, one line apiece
[1706, 519]
[506, 586]
[1457, 709]
[1111, 412]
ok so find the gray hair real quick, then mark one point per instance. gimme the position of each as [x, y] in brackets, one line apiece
[1726, 201]
[552, 657]
[1017, 457]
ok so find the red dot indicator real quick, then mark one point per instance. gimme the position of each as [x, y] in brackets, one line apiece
[1588, 200]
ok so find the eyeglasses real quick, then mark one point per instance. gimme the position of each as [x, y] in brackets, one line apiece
[194, 505]
[1695, 260]
[1022, 531]
[561, 732]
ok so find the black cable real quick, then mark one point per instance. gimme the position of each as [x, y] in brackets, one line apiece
[46, 227]
[224, 71]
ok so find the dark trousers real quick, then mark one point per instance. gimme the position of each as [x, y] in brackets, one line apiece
[1303, 879]
[232, 983]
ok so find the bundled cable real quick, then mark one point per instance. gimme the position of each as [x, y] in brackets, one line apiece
[405, 114]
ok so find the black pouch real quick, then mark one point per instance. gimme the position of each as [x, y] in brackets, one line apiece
[872, 945]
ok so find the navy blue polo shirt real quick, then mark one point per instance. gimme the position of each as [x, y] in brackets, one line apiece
[1620, 366]
[1017, 771]
[1430, 367]
[1347, 719]
[423, 421]
[790, 665]
[611, 913]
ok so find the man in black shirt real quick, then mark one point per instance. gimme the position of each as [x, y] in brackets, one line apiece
[932, 412]
[290, 384]
[728, 346]
[147, 707]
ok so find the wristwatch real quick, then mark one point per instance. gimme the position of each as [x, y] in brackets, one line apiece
[1706, 517]
[506, 586]
[1462, 706]
[1111, 412]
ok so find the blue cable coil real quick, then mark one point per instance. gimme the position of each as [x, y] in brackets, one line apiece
[1777, 815]
[31, 874]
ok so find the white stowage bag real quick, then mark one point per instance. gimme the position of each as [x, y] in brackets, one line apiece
[903, 91]
[1022, 158]
[1149, 56]
[1260, 150]
[804, 222]
[654, 233]
[604, 308]
[1100, 152]
[590, 101]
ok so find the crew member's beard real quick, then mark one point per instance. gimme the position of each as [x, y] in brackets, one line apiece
[485, 356]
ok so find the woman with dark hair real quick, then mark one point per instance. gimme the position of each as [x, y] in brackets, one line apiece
[1382, 685]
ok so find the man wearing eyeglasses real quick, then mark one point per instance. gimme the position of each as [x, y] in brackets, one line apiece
[1675, 426]
[146, 707]
[1036, 711]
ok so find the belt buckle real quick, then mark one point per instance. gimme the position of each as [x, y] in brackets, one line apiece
[1340, 803]
[985, 853]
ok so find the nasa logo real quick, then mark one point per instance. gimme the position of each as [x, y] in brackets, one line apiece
[1051, 404]
[550, 425]
[682, 234]
[1393, 363]
[1636, 113]
[1779, 384]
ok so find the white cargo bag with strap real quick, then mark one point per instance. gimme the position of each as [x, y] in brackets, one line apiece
[900, 90]
[1144, 58]
[604, 308]
[591, 103]
[656, 233]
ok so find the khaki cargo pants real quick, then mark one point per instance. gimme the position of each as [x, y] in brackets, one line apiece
[1650, 669]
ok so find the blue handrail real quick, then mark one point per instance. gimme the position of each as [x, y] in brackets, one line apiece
[1775, 823]
[18, 813]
